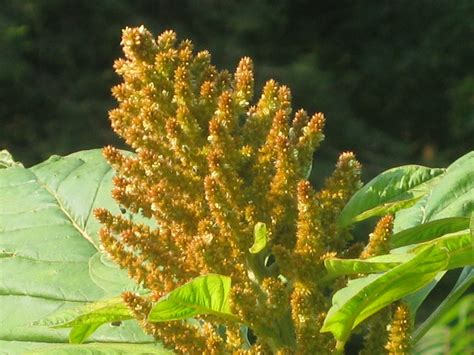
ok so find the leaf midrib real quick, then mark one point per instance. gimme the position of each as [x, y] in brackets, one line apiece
[63, 208]
[68, 215]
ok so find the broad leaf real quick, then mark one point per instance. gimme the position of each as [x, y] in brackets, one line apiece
[49, 248]
[390, 191]
[98, 349]
[208, 294]
[363, 297]
[338, 267]
[451, 196]
[106, 274]
[105, 311]
[428, 231]
[454, 193]
[80, 333]
[459, 247]
[260, 238]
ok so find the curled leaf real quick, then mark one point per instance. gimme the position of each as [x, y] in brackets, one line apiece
[260, 238]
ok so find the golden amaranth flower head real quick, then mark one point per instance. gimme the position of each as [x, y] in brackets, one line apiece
[208, 165]
[399, 342]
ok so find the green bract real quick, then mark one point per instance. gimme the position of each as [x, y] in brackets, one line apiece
[260, 238]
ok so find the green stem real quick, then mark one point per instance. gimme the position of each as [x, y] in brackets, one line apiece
[286, 336]
[339, 347]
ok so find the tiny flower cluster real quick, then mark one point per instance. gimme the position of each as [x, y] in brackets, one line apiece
[208, 165]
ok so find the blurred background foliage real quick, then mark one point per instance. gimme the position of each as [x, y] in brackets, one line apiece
[394, 78]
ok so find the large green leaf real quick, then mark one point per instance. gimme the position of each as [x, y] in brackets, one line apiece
[108, 275]
[458, 246]
[390, 191]
[106, 311]
[100, 349]
[208, 294]
[32, 348]
[451, 196]
[363, 297]
[50, 249]
[427, 231]
[338, 267]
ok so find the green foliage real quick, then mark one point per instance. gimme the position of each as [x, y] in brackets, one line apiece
[434, 235]
[365, 296]
[452, 333]
[450, 196]
[62, 241]
[457, 245]
[208, 294]
[50, 258]
[100, 349]
[50, 245]
[429, 230]
[389, 192]
[338, 267]
[260, 238]
[84, 320]
[465, 280]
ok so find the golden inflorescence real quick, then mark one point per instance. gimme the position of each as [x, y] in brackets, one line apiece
[379, 238]
[399, 342]
[209, 165]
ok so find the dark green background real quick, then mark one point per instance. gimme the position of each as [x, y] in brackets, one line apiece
[394, 78]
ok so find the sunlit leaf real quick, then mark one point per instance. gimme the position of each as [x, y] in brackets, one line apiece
[451, 196]
[388, 192]
[363, 297]
[105, 311]
[96, 349]
[416, 299]
[208, 294]
[79, 333]
[427, 231]
[459, 247]
[260, 238]
[50, 249]
[337, 267]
